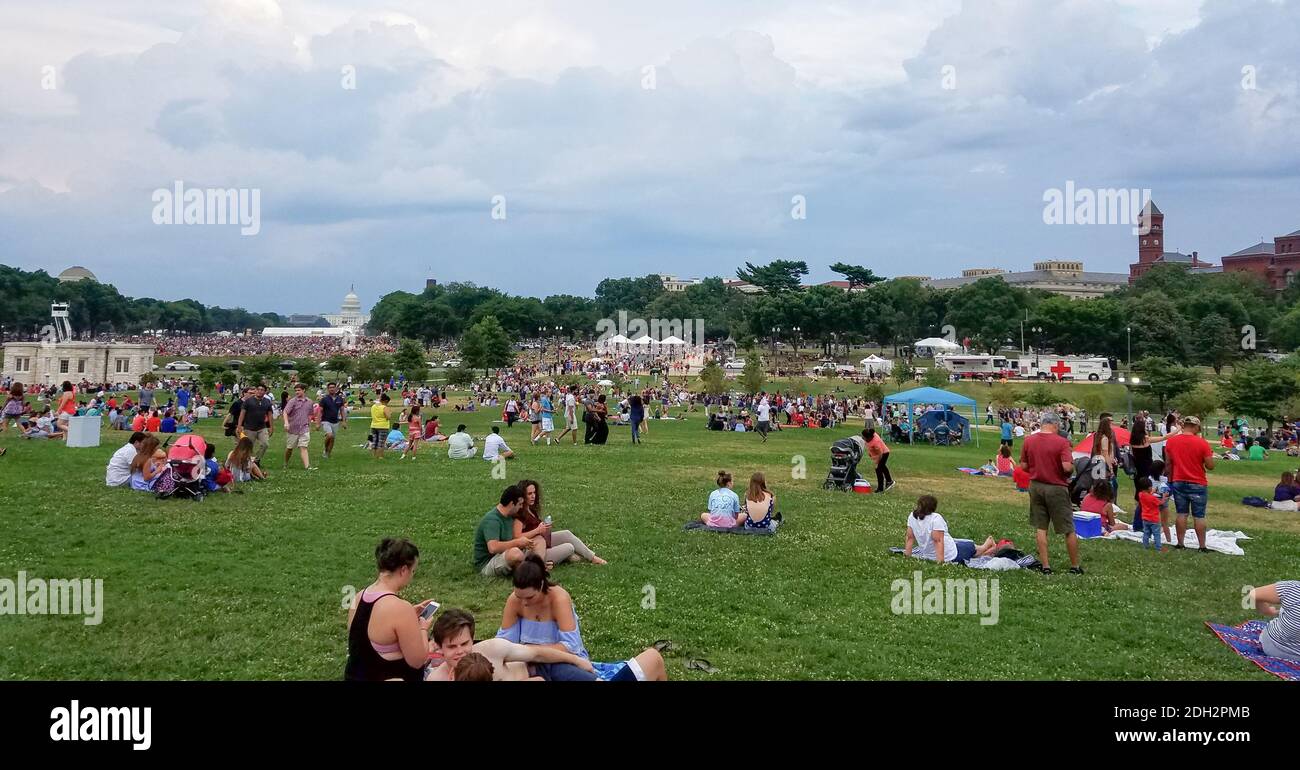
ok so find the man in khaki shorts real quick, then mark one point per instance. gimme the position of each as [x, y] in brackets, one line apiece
[1046, 456]
[297, 426]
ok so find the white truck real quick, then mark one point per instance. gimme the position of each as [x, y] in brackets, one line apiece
[1065, 368]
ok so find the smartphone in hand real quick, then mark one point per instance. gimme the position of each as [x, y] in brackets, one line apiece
[429, 610]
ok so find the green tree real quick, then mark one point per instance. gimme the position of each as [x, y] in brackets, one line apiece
[260, 370]
[308, 372]
[777, 277]
[486, 346]
[751, 378]
[903, 373]
[856, 275]
[340, 364]
[227, 378]
[713, 378]
[1041, 395]
[1217, 342]
[1201, 401]
[1260, 389]
[1164, 379]
[459, 376]
[937, 376]
[411, 361]
[1285, 331]
[988, 311]
[874, 392]
[375, 366]
[208, 377]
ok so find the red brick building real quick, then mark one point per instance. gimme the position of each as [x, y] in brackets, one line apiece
[1278, 262]
[1151, 247]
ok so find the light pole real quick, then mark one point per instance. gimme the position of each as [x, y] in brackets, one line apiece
[776, 330]
[1038, 332]
[1128, 363]
[1129, 383]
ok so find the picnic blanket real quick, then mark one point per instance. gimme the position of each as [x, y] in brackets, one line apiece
[1244, 640]
[741, 530]
[1219, 540]
[978, 472]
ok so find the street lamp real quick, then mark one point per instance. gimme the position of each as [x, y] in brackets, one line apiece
[776, 330]
[1129, 383]
[1038, 332]
[1128, 363]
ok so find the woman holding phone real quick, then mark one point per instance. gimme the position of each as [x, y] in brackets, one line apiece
[387, 636]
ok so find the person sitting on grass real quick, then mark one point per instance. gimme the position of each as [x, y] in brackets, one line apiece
[460, 446]
[431, 429]
[218, 479]
[497, 550]
[453, 639]
[44, 426]
[149, 463]
[1281, 602]
[928, 530]
[168, 423]
[241, 464]
[1255, 450]
[760, 505]
[387, 638]
[1005, 465]
[541, 614]
[118, 473]
[724, 506]
[1286, 494]
[1101, 500]
[494, 446]
[558, 546]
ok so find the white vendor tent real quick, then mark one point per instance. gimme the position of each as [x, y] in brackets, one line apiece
[931, 346]
[874, 364]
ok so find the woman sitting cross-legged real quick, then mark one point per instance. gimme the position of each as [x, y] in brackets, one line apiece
[724, 506]
[558, 546]
[541, 613]
[760, 505]
[927, 530]
[148, 465]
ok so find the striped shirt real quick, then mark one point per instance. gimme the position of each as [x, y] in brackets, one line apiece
[1284, 630]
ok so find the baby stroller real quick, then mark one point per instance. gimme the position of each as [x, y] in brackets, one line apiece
[186, 471]
[845, 456]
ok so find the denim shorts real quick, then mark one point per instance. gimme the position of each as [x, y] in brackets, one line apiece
[965, 550]
[1189, 496]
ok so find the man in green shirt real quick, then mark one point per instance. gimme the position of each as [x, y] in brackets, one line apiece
[1257, 451]
[496, 549]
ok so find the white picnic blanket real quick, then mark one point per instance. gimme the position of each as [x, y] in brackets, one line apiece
[1219, 540]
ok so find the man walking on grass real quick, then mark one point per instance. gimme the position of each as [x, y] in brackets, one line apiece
[570, 415]
[333, 410]
[1046, 457]
[297, 426]
[256, 423]
[1188, 457]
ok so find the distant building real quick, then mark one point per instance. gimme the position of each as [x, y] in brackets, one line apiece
[1058, 276]
[77, 273]
[1151, 247]
[60, 357]
[673, 283]
[1277, 262]
[306, 319]
[349, 314]
[745, 287]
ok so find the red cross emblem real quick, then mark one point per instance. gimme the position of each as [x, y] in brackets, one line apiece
[1060, 370]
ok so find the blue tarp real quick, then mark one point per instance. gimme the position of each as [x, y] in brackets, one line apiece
[956, 423]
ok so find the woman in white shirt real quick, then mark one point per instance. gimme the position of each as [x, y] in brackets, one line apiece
[927, 530]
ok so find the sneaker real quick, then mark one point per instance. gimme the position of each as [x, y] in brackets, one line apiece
[1203, 550]
[1179, 547]
[1045, 570]
[1076, 570]
[889, 486]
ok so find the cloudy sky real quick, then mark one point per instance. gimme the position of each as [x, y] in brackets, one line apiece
[628, 138]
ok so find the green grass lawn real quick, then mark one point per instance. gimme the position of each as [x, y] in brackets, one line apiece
[251, 586]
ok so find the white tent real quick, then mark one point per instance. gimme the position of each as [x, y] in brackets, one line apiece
[644, 341]
[934, 345]
[672, 341]
[874, 363]
[612, 344]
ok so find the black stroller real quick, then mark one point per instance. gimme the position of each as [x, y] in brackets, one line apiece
[845, 456]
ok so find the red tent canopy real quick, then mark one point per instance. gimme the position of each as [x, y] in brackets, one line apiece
[1121, 438]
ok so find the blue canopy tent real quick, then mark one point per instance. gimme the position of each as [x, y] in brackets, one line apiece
[951, 421]
[945, 398]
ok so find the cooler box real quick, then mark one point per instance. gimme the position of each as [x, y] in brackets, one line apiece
[1087, 524]
[862, 487]
[83, 431]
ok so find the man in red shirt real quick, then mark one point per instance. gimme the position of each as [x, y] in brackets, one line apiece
[1188, 457]
[1046, 457]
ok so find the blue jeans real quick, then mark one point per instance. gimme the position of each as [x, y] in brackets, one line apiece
[560, 672]
[1189, 497]
[1150, 529]
[635, 418]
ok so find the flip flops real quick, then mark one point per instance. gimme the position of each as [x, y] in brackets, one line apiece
[700, 664]
[663, 645]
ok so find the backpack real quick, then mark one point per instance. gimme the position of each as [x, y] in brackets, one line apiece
[1257, 502]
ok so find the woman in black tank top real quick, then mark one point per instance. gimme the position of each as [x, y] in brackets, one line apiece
[397, 559]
